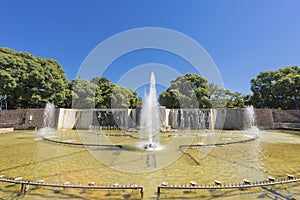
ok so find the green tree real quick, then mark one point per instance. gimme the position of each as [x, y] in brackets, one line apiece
[7, 82]
[222, 98]
[277, 89]
[83, 94]
[109, 95]
[218, 96]
[187, 91]
[104, 92]
[123, 97]
[170, 98]
[69, 94]
[236, 100]
[193, 91]
[31, 82]
[248, 99]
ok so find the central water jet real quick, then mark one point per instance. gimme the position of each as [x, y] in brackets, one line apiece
[150, 119]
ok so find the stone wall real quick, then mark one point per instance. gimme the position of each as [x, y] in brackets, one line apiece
[229, 119]
[219, 119]
[286, 119]
[12, 118]
[189, 118]
[104, 119]
[264, 119]
[237, 119]
[24, 118]
[286, 116]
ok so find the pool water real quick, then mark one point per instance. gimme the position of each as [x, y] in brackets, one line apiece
[275, 153]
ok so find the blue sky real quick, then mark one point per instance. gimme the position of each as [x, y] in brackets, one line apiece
[243, 37]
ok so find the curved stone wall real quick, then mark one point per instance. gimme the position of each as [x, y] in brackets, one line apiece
[197, 119]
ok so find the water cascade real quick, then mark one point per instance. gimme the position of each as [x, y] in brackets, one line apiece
[149, 120]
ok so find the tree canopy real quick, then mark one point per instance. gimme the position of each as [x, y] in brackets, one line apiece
[29, 81]
[187, 91]
[109, 95]
[83, 93]
[277, 88]
[194, 91]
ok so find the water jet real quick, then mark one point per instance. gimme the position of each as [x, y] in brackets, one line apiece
[150, 120]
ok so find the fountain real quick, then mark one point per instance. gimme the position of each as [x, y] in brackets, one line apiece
[250, 115]
[227, 160]
[47, 130]
[49, 115]
[149, 119]
[218, 156]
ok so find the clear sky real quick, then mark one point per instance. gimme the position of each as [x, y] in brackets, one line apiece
[243, 37]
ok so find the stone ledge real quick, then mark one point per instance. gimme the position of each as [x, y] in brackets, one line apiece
[6, 130]
[291, 126]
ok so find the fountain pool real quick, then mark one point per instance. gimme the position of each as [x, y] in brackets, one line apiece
[150, 158]
[273, 154]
